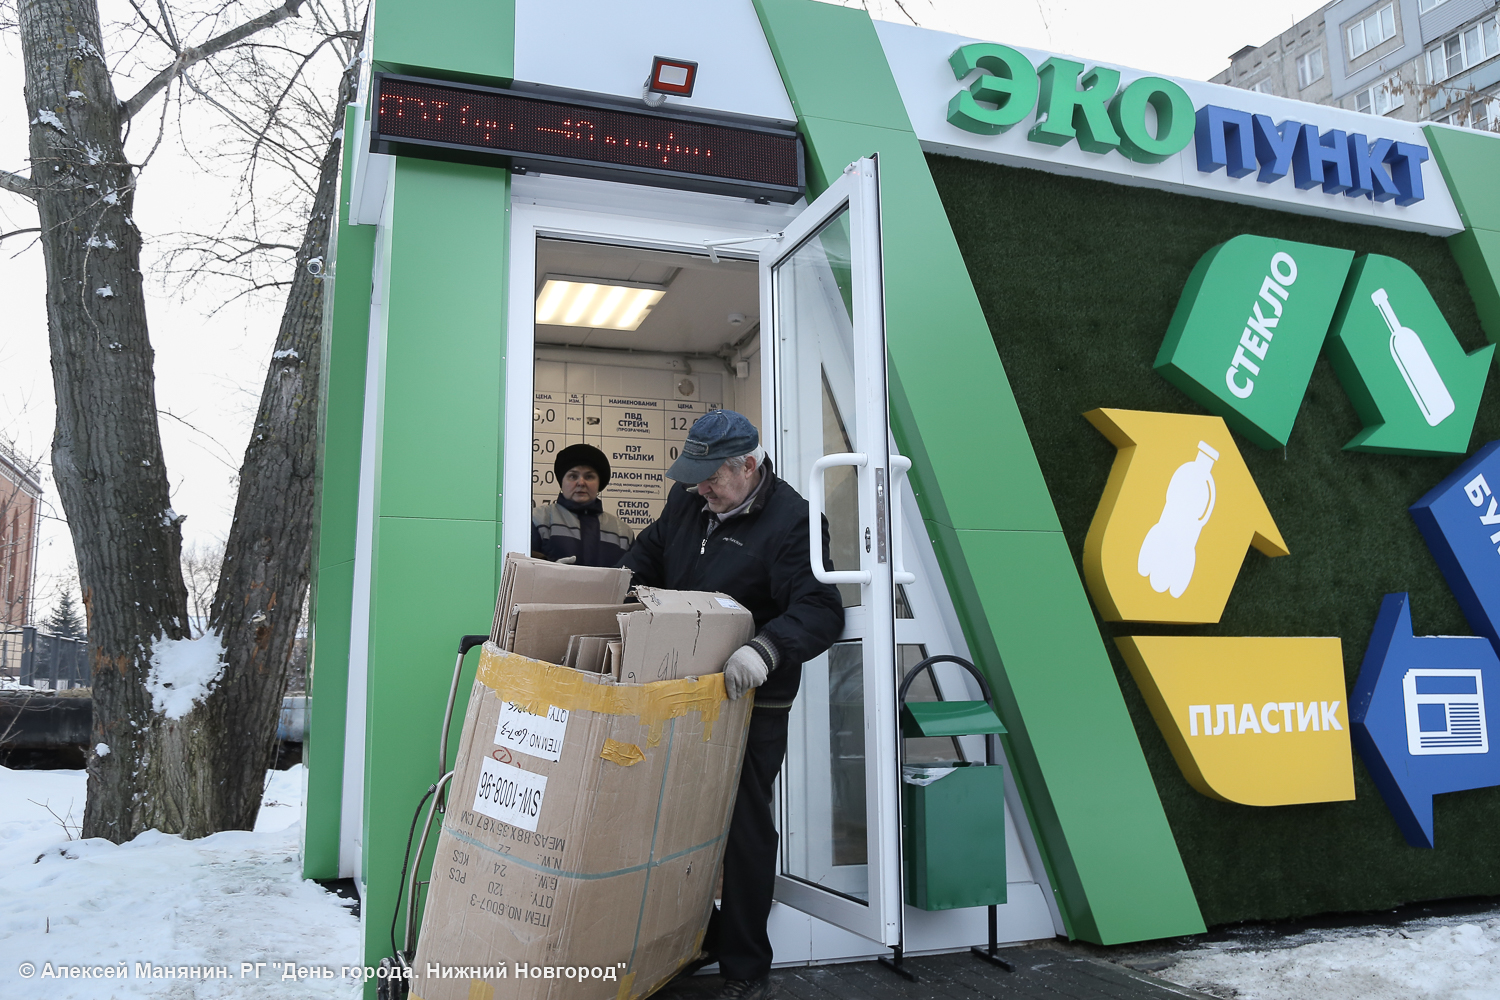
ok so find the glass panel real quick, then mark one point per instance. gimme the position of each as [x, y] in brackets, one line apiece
[1455, 52]
[826, 837]
[813, 297]
[846, 729]
[923, 749]
[841, 499]
[903, 606]
[1491, 38]
[1387, 23]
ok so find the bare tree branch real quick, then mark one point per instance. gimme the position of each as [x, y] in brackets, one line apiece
[197, 53]
[16, 184]
[18, 232]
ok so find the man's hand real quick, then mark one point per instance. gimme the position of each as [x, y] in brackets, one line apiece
[744, 670]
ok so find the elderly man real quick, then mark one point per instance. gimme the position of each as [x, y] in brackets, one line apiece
[731, 525]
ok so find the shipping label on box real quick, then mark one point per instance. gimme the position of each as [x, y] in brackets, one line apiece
[537, 735]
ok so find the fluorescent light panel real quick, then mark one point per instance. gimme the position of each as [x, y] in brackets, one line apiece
[596, 304]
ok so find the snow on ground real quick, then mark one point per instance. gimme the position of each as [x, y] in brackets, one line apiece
[1452, 958]
[226, 899]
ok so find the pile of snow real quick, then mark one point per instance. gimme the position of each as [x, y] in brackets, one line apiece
[1454, 958]
[226, 899]
[184, 671]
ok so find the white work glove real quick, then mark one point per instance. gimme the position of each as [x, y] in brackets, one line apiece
[744, 670]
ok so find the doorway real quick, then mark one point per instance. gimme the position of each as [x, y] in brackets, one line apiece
[805, 362]
[632, 346]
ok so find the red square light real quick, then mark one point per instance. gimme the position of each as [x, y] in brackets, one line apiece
[673, 76]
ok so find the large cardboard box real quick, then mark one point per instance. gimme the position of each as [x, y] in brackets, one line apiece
[586, 821]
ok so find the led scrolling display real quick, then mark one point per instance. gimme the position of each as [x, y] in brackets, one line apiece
[519, 126]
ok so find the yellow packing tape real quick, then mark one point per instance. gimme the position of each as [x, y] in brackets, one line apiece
[623, 754]
[533, 685]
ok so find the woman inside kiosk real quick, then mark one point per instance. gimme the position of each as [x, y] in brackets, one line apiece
[575, 528]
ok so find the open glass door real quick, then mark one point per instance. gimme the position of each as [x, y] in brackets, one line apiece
[824, 340]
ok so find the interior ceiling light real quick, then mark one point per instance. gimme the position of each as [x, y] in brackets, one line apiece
[595, 303]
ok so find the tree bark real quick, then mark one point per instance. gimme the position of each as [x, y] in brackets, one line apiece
[106, 449]
[204, 771]
[263, 582]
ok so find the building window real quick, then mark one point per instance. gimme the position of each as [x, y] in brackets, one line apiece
[1483, 115]
[1381, 98]
[1369, 32]
[1425, 5]
[1309, 68]
[1262, 86]
[1460, 51]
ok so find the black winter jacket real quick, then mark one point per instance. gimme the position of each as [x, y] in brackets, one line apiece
[759, 558]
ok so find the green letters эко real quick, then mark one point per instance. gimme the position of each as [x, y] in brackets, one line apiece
[1009, 83]
[1175, 119]
[1068, 111]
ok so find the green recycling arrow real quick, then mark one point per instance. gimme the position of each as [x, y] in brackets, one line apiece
[1248, 328]
[1411, 383]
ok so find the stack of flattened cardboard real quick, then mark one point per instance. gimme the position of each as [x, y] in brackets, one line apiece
[588, 810]
[536, 581]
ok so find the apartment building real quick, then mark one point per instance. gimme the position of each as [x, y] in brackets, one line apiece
[20, 494]
[1418, 60]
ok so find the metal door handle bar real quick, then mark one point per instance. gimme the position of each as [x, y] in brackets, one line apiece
[815, 504]
[900, 465]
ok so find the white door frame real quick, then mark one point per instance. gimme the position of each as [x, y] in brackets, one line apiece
[599, 212]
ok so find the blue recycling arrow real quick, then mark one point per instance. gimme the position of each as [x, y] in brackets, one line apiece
[1460, 519]
[1420, 712]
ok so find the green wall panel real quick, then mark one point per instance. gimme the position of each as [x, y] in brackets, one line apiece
[345, 343]
[1070, 349]
[440, 418]
[1470, 162]
[461, 39]
[435, 582]
[979, 486]
[437, 466]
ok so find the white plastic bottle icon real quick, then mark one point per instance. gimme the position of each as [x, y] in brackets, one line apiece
[1415, 365]
[1170, 550]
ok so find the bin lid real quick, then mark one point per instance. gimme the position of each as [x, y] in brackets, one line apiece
[949, 718]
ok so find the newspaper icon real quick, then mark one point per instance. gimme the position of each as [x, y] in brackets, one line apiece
[1445, 712]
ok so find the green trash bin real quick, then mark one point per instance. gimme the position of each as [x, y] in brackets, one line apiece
[954, 811]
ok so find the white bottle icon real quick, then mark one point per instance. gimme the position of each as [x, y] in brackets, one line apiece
[1170, 550]
[1415, 364]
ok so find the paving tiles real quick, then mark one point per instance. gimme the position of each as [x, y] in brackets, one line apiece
[1041, 974]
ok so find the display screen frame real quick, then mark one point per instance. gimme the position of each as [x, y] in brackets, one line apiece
[523, 161]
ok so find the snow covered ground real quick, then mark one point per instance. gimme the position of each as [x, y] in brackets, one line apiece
[1452, 958]
[224, 900]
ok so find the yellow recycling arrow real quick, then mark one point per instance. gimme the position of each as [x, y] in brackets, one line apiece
[1177, 514]
[1258, 721]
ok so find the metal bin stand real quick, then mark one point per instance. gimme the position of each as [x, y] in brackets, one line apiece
[954, 836]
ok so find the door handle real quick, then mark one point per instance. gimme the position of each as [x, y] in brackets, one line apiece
[900, 465]
[815, 504]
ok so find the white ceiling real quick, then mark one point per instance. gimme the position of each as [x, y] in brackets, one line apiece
[691, 318]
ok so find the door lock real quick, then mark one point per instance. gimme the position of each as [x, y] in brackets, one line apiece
[867, 539]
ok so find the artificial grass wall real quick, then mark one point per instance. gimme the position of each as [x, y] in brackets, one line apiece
[1078, 280]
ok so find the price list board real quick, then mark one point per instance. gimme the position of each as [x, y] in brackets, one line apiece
[640, 436]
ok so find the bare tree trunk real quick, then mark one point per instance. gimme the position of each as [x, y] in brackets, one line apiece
[106, 449]
[263, 581]
[202, 771]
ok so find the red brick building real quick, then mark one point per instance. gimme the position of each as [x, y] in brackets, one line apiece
[20, 493]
